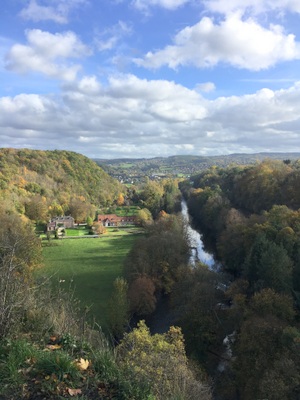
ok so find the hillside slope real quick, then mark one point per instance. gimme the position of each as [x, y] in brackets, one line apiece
[56, 178]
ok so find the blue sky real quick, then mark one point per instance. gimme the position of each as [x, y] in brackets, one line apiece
[146, 78]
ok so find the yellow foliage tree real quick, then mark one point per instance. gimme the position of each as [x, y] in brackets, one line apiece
[160, 362]
[120, 199]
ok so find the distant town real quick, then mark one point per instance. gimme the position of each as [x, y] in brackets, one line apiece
[135, 171]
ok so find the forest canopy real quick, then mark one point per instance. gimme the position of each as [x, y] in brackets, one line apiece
[41, 184]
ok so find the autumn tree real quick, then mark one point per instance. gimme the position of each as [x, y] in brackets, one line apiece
[152, 197]
[120, 199]
[20, 252]
[55, 210]
[144, 217]
[159, 362]
[80, 209]
[141, 295]
[36, 208]
[98, 228]
[267, 341]
[160, 254]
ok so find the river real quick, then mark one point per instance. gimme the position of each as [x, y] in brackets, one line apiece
[198, 254]
[161, 320]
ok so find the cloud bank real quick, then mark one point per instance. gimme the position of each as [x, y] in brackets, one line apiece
[143, 118]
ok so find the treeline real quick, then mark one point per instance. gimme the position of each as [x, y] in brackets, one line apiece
[252, 219]
[42, 184]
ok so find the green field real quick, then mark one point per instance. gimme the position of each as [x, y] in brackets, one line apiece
[90, 266]
[120, 211]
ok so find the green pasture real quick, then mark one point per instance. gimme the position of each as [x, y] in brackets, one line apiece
[81, 231]
[120, 211]
[129, 210]
[90, 266]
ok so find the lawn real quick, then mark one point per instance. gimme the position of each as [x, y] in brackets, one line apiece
[77, 231]
[120, 211]
[90, 266]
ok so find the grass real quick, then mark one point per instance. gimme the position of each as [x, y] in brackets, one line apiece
[34, 370]
[90, 266]
[77, 231]
[124, 211]
[120, 211]
[14, 356]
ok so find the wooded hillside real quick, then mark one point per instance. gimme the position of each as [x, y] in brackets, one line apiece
[251, 215]
[41, 184]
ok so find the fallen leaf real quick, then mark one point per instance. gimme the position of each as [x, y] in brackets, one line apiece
[83, 364]
[53, 346]
[74, 392]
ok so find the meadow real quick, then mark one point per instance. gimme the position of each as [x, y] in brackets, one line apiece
[89, 266]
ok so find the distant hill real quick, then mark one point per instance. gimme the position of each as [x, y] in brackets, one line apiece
[58, 177]
[134, 169]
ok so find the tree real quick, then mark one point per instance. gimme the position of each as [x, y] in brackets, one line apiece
[144, 217]
[194, 299]
[268, 265]
[20, 252]
[36, 208]
[119, 307]
[120, 199]
[79, 208]
[159, 362]
[142, 295]
[151, 197]
[55, 210]
[160, 255]
[98, 228]
[265, 343]
[89, 222]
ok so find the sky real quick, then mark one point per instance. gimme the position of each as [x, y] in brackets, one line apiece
[148, 78]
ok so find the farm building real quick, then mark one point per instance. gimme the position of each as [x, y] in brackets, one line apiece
[114, 220]
[60, 222]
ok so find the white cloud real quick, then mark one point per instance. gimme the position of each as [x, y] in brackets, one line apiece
[47, 53]
[57, 12]
[253, 7]
[109, 38]
[142, 118]
[206, 87]
[144, 5]
[89, 85]
[240, 43]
